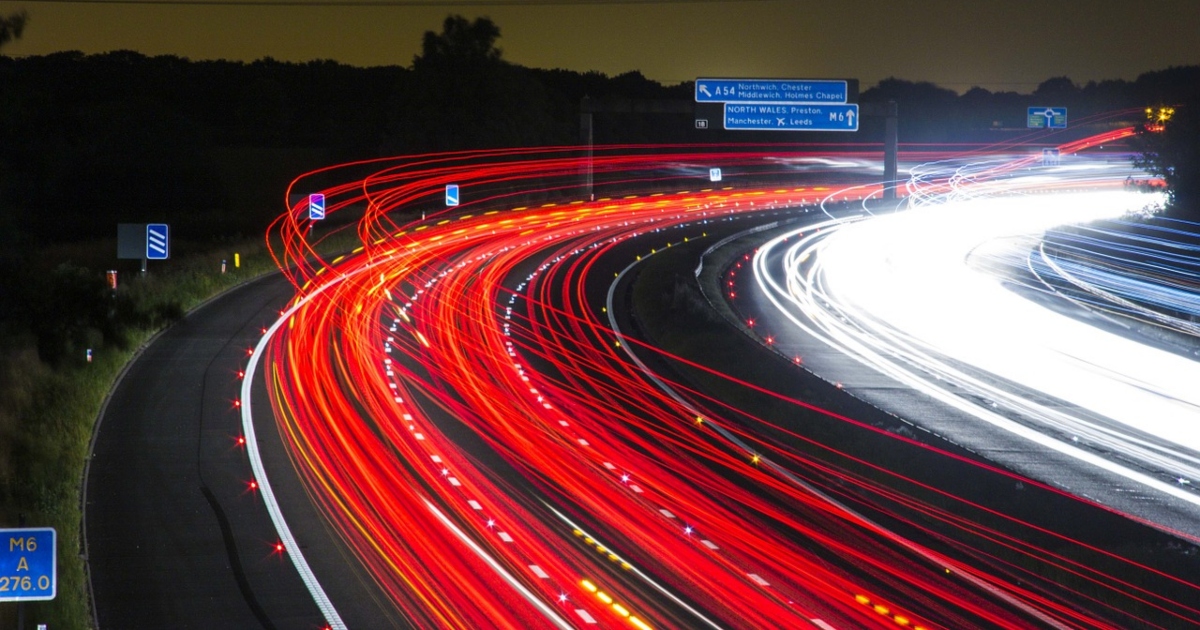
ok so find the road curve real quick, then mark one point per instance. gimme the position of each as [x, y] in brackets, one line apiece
[175, 536]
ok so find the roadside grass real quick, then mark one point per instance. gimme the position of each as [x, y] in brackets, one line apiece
[47, 414]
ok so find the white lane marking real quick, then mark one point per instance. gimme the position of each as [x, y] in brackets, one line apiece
[516, 584]
[264, 484]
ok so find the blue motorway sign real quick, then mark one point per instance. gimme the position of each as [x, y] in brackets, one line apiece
[770, 91]
[316, 207]
[1046, 118]
[157, 243]
[451, 194]
[791, 117]
[28, 564]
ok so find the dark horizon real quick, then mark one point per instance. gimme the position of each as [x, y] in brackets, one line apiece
[997, 45]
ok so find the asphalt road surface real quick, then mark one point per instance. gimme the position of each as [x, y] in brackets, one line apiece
[176, 537]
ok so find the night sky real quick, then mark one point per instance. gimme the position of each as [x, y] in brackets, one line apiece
[997, 44]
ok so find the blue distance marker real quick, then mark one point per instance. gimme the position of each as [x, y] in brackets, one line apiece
[28, 564]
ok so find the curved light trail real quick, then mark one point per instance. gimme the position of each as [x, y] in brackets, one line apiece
[922, 293]
[460, 409]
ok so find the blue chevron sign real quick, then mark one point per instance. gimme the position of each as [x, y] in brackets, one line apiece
[316, 207]
[157, 242]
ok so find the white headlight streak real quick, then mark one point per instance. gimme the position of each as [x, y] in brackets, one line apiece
[920, 295]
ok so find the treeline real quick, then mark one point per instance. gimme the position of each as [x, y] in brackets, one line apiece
[929, 113]
[88, 141]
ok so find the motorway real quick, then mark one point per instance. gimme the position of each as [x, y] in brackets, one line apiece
[460, 424]
[166, 486]
[1034, 378]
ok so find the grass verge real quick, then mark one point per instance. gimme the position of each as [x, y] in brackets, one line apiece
[47, 414]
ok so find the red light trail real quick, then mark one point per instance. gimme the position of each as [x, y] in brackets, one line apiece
[464, 416]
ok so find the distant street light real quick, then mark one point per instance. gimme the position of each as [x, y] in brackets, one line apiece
[1157, 117]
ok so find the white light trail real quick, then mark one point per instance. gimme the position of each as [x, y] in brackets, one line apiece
[917, 296]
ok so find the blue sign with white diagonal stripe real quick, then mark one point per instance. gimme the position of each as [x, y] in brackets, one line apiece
[316, 207]
[451, 194]
[157, 242]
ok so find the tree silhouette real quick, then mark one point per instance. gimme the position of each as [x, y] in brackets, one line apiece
[464, 95]
[935, 104]
[1055, 90]
[1172, 151]
[12, 26]
[461, 43]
